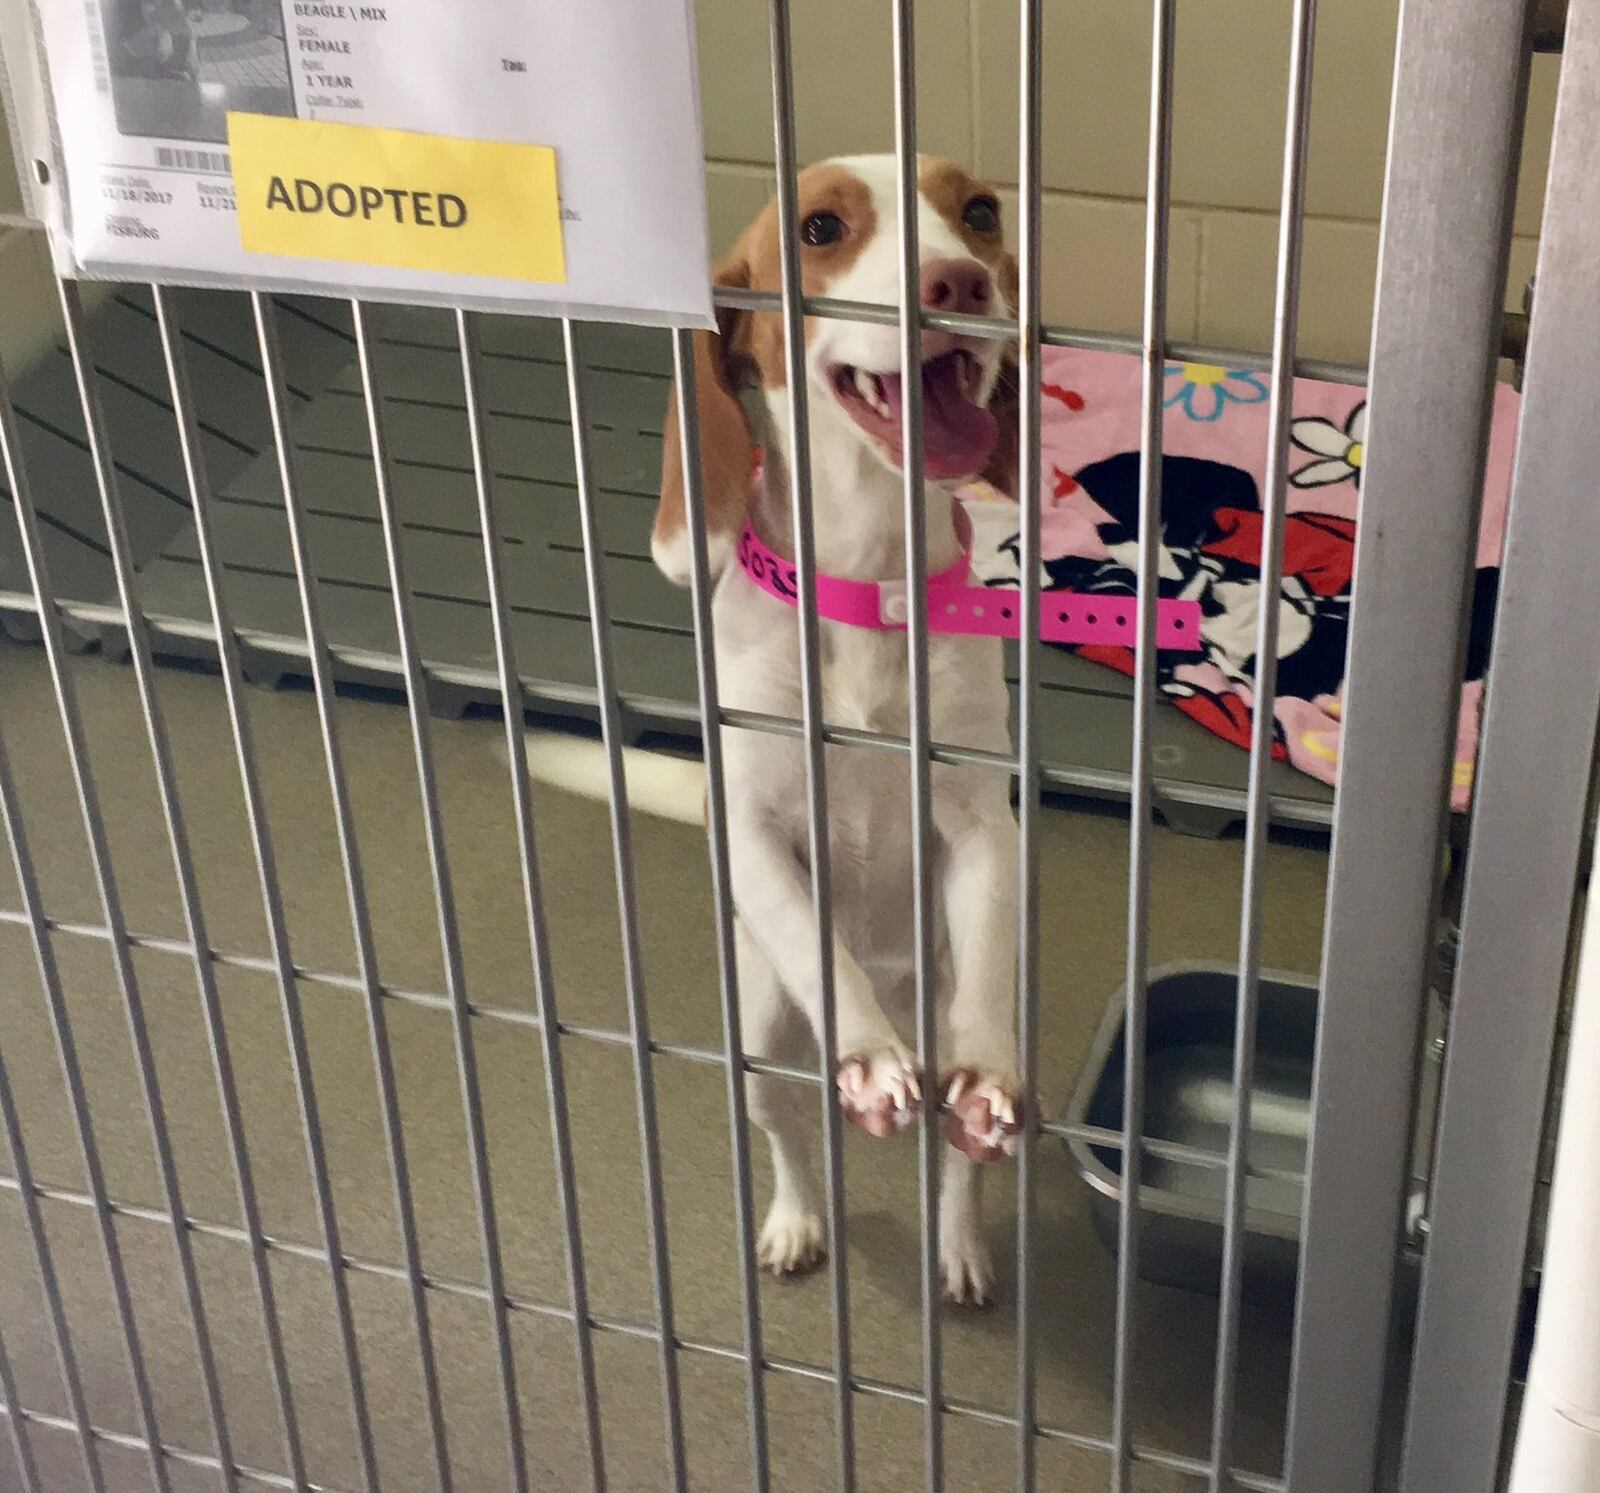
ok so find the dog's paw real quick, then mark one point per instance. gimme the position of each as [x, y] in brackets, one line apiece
[966, 1272]
[879, 1089]
[985, 1112]
[791, 1241]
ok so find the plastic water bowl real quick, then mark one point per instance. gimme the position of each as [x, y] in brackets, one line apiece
[1189, 1100]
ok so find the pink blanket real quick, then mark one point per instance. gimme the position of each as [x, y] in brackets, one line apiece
[1216, 439]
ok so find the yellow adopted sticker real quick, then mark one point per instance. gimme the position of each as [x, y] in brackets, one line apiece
[351, 192]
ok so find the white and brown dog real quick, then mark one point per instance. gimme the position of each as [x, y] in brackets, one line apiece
[848, 217]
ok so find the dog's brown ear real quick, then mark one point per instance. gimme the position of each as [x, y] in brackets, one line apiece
[1005, 402]
[727, 448]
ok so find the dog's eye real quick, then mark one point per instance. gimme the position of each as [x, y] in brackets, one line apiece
[982, 215]
[821, 229]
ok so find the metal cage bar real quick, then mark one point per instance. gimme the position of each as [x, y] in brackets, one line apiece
[1248, 1482]
[140, 649]
[272, 895]
[21, 1439]
[628, 911]
[444, 904]
[812, 721]
[183, 866]
[272, 898]
[366, 979]
[919, 733]
[182, 1456]
[1094, 1135]
[513, 707]
[560, 695]
[1003, 328]
[1457, 122]
[127, 986]
[1263, 733]
[1030, 15]
[1526, 843]
[700, 588]
[261, 844]
[16, 1146]
[645, 1332]
[1158, 216]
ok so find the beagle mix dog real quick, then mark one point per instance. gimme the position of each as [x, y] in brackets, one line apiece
[848, 226]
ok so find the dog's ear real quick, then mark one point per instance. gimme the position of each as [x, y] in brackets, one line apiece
[1005, 401]
[727, 448]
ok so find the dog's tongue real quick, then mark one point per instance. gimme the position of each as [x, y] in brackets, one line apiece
[957, 435]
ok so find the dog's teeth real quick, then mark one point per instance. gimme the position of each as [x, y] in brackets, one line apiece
[870, 388]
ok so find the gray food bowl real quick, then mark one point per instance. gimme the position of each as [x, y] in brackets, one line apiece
[1189, 1097]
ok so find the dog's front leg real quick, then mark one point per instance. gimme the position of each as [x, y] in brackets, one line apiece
[877, 1076]
[977, 1041]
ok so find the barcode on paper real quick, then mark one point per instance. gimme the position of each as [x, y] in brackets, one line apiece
[194, 160]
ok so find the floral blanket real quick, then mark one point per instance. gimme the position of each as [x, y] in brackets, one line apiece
[1214, 468]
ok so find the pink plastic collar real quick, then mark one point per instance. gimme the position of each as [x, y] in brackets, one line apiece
[972, 611]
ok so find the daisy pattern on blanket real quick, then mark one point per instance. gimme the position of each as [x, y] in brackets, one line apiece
[1342, 450]
[1204, 393]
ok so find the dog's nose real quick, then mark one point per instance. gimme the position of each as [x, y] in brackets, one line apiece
[956, 285]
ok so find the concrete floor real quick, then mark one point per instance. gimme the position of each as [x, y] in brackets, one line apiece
[1194, 916]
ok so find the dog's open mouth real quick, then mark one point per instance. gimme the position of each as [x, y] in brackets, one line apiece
[958, 433]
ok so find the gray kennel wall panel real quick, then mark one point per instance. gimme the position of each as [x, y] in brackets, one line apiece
[1085, 707]
[232, 426]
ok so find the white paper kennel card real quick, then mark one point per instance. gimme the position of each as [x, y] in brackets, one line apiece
[527, 155]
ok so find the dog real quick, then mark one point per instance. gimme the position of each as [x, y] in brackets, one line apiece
[849, 248]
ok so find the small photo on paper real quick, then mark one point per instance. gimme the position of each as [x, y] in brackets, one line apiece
[176, 70]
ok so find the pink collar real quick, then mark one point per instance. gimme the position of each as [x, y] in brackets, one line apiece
[971, 611]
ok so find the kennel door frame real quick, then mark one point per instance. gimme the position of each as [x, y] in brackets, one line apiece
[1527, 843]
[1454, 146]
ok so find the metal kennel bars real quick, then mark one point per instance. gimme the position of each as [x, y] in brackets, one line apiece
[1459, 86]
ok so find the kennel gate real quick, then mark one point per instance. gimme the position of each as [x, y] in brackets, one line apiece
[1460, 81]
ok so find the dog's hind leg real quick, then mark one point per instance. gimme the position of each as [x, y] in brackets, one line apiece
[792, 1237]
[966, 1269]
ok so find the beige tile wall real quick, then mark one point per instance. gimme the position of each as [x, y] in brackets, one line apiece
[1231, 83]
